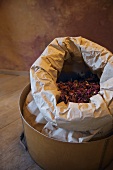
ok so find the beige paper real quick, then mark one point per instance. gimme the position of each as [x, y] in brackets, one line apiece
[73, 54]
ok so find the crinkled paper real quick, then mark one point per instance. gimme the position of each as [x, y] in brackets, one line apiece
[81, 120]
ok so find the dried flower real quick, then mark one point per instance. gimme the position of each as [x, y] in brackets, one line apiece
[79, 91]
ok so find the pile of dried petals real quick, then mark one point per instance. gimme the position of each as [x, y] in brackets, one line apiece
[79, 91]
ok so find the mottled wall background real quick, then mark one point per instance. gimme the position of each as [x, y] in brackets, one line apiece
[27, 26]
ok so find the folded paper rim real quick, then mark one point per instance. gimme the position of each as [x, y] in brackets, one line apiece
[43, 76]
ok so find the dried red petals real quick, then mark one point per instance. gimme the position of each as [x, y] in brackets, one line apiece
[78, 91]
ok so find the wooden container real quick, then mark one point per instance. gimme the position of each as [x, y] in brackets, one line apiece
[51, 154]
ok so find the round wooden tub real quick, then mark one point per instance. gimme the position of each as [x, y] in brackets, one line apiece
[51, 154]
